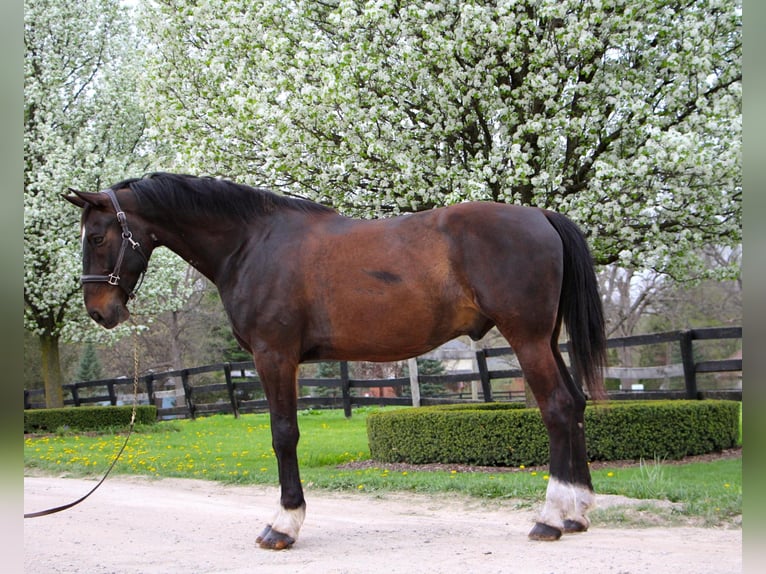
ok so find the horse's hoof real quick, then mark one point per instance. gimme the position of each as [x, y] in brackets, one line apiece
[270, 539]
[573, 526]
[263, 534]
[544, 532]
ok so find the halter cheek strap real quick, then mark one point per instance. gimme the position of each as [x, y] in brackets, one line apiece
[127, 240]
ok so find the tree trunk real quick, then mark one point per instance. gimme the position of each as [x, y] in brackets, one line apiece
[53, 380]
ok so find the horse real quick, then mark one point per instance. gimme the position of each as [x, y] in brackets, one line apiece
[300, 282]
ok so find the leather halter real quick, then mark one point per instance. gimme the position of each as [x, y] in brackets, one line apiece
[127, 239]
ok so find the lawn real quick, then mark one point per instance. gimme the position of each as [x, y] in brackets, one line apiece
[233, 450]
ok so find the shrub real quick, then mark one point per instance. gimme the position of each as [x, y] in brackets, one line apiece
[665, 429]
[86, 418]
[507, 434]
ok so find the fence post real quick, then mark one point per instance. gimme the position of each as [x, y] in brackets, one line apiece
[230, 389]
[149, 381]
[414, 382]
[687, 358]
[486, 386]
[188, 392]
[112, 394]
[345, 388]
[75, 395]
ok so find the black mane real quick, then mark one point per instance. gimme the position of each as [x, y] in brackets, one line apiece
[187, 195]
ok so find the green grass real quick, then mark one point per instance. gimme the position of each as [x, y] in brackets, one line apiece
[233, 450]
[710, 492]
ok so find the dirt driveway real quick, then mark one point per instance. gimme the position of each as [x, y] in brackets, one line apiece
[135, 525]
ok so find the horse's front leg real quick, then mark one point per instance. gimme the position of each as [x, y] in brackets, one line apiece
[279, 384]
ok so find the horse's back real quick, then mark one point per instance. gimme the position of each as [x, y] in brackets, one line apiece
[479, 220]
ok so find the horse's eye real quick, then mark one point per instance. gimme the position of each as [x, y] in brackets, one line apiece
[97, 240]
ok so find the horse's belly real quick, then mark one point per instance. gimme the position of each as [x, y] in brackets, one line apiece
[396, 331]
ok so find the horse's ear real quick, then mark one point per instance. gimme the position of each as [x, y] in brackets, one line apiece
[82, 198]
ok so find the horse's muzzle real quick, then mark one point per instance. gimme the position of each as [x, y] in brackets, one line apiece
[111, 316]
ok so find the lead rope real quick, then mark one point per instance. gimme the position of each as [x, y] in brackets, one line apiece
[116, 458]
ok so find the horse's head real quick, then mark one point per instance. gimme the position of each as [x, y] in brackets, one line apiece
[115, 255]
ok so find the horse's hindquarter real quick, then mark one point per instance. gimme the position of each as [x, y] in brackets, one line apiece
[513, 258]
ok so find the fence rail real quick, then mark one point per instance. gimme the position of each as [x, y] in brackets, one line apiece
[239, 381]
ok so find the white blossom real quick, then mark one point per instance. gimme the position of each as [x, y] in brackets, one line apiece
[623, 114]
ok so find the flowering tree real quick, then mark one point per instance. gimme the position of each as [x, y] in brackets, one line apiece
[83, 128]
[623, 114]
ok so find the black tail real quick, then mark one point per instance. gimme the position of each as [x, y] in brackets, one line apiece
[580, 306]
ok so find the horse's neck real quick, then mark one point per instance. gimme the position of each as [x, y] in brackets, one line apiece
[204, 247]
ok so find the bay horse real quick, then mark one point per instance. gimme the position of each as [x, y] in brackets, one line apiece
[299, 281]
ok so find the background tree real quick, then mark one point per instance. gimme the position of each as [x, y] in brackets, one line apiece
[623, 114]
[83, 128]
[427, 367]
[90, 366]
[642, 302]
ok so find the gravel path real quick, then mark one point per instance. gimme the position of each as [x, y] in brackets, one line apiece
[136, 525]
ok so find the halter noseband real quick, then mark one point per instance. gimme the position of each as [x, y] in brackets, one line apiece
[127, 239]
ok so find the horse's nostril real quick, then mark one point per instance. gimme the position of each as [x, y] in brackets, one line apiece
[96, 316]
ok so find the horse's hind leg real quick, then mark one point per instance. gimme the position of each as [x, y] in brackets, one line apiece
[570, 492]
[577, 522]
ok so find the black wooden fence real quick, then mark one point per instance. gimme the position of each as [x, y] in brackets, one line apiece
[238, 382]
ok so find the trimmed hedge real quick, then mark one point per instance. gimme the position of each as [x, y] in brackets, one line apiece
[508, 434]
[86, 418]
